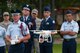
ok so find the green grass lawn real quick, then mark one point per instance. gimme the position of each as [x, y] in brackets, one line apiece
[57, 48]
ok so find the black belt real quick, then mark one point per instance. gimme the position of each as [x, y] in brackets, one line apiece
[69, 39]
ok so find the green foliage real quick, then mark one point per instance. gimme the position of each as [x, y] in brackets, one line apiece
[35, 3]
[57, 48]
[67, 3]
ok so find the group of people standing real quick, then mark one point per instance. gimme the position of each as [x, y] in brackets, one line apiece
[20, 37]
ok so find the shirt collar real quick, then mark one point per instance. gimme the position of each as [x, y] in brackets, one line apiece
[7, 22]
[47, 18]
[17, 22]
[26, 17]
[71, 21]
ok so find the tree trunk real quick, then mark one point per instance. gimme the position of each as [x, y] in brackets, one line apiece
[40, 8]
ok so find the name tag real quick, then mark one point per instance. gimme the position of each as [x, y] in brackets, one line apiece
[47, 23]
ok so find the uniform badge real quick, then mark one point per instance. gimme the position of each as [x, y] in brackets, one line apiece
[53, 21]
[47, 23]
[27, 5]
[30, 24]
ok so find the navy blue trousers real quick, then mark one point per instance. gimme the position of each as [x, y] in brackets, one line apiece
[18, 48]
[46, 48]
[2, 49]
[69, 46]
[28, 45]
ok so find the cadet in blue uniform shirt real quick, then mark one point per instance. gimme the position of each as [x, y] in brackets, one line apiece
[15, 34]
[2, 40]
[31, 25]
[47, 24]
[69, 30]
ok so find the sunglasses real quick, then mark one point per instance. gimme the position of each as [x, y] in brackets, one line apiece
[34, 13]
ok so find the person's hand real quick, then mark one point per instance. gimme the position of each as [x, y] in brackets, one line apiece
[25, 41]
[12, 42]
[54, 32]
[19, 41]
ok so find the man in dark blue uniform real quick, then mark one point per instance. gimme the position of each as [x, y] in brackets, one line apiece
[31, 25]
[47, 24]
[69, 30]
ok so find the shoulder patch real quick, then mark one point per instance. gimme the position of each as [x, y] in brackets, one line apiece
[53, 21]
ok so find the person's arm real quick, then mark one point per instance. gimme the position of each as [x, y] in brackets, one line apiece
[7, 35]
[34, 24]
[62, 31]
[26, 32]
[8, 38]
[71, 33]
[75, 30]
[52, 24]
[27, 37]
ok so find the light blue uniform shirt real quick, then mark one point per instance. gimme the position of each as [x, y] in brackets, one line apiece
[14, 29]
[70, 26]
[2, 35]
